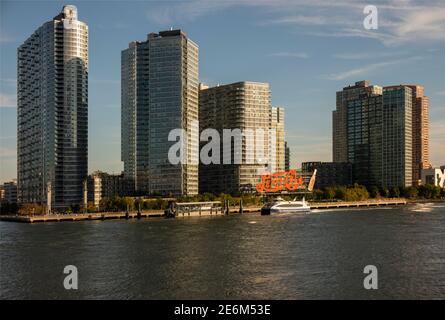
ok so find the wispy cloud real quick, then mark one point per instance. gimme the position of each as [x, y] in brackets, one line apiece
[8, 80]
[8, 152]
[6, 39]
[400, 21]
[189, 11]
[366, 55]
[299, 55]
[8, 101]
[365, 70]
[426, 23]
[301, 20]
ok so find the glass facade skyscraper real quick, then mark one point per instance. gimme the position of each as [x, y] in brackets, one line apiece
[159, 94]
[364, 124]
[340, 116]
[397, 136]
[386, 133]
[52, 111]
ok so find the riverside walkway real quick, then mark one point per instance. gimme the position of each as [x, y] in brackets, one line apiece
[83, 216]
[187, 211]
[354, 204]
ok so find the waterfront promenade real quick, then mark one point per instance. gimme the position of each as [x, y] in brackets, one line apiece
[190, 213]
[355, 204]
[82, 216]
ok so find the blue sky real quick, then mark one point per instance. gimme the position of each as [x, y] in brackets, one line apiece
[306, 50]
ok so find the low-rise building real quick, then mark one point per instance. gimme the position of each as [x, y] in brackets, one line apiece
[328, 173]
[8, 192]
[105, 185]
[434, 176]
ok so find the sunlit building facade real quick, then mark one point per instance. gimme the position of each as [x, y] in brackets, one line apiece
[277, 139]
[52, 112]
[420, 131]
[244, 106]
[397, 135]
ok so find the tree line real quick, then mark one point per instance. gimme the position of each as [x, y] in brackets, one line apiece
[333, 193]
[359, 192]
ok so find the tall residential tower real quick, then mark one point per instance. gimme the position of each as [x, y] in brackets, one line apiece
[239, 107]
[52, 111]
[386, 133]
[340, 118]
[277, 126]
[159, 93]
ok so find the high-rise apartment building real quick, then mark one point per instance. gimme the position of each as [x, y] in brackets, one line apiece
[52, 111]
[339, 116]
[244, 106]
[364, 139]
[420, 131]
[286, 157]
[159, 93]
[386, 133]
[397, 135]
[277, 144]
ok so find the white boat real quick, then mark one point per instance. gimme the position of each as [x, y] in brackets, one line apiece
[279, 206]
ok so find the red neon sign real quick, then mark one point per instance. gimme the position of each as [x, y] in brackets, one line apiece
[278, 181]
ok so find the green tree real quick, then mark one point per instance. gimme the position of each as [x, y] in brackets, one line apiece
[384, 192]
[394, 192]
[410, 192]
[329, 193]
[374, 192]
[435, 192]
[340, 192]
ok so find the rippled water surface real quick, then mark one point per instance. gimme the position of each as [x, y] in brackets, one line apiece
[316, 256]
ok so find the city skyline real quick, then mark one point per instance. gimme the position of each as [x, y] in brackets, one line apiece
[288, 63]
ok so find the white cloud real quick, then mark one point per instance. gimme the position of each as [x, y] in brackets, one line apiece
[5, 39]
[427, 23]
[366, 55]
[301, 20]
[399, 21]
[8, 101]
[9, 80]
[299, 55]
[365, 70]
[8, 152]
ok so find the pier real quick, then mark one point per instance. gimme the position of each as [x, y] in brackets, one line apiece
[356, 204]
[192, 209]
[83, 216]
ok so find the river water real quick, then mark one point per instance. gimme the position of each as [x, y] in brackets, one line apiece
[316, 256]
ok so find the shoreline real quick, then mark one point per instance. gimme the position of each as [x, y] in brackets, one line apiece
[233, 210]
